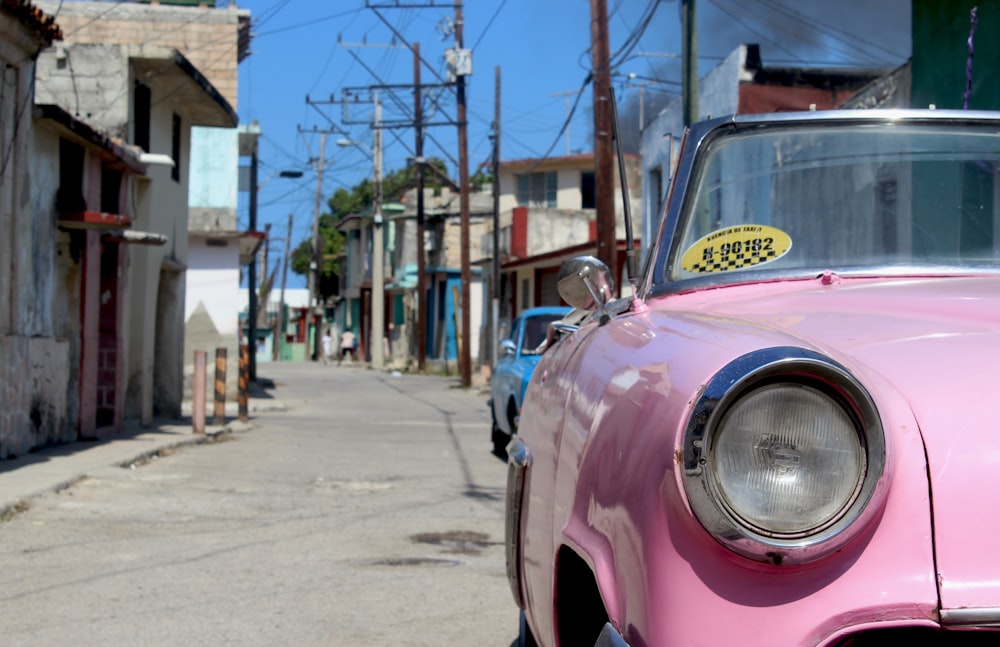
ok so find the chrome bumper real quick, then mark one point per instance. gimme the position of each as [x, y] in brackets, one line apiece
[518, 460]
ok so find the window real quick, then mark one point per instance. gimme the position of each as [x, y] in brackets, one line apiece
[656, 189]
[588, 192]
[69, 197]
[537, 190]
[111, 182]
[175, 149]
[525, 294]
[140, 113]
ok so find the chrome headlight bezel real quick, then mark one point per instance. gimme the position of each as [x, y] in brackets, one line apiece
[746, 375]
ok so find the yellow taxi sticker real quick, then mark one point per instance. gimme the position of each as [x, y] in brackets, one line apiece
[736, 248]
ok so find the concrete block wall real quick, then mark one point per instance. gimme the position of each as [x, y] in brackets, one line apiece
[205, 36]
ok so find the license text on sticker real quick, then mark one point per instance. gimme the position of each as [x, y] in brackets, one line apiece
[736, 248]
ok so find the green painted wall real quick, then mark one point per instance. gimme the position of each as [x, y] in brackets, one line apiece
[941, 49]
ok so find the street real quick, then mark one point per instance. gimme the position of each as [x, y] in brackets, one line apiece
[369, 512]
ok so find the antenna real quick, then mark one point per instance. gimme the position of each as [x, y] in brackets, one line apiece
[629, 240]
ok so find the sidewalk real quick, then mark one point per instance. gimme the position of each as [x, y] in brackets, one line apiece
[56, 468]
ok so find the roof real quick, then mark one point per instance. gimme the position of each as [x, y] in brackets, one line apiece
[119, 154]
[564, 161]
[187, 83]
[41, 23]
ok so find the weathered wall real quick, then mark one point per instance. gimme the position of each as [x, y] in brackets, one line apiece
[214, 179]
[33, 361]
[90, 81]
[207, 37]
[32, 410]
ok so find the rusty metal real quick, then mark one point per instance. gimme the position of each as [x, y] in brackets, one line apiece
[220, 387]
[244, 383]
[198, 397]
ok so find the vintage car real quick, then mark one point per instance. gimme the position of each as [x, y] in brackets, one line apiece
[783, 436]
[519, 354]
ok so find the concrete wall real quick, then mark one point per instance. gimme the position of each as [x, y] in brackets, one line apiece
[212, 307]
[214, 179]
[89, 81]
[207, 37]
[34, 371]
[570, 199]
[155, 362]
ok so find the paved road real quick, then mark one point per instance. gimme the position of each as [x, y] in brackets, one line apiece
[369, 512]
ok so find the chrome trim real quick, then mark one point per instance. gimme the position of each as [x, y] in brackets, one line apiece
[981, 617]
[518, 461]
[742, 375]
[610, 637]
[665, 247]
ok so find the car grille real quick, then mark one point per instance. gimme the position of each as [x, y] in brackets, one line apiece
[922, 636]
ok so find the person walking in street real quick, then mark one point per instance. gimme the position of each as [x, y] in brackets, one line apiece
[346, 346]
[327, 347]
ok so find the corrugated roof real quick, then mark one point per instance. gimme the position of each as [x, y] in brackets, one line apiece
[34, 19]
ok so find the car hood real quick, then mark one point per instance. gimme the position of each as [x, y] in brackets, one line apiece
[937, 341]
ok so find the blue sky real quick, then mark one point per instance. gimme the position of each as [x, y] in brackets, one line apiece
[316, 48]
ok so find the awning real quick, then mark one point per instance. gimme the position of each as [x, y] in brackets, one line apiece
[93, 220]
[136, 238]
[249, 241]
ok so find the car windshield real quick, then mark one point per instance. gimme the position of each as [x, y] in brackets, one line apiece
[535, 330]
[844, 197]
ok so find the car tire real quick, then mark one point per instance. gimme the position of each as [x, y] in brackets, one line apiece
[524, 637]
[512, 417]
[500, 440]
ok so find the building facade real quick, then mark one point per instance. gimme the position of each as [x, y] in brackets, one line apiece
[214, 41]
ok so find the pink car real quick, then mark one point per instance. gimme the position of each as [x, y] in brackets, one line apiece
[786, 436]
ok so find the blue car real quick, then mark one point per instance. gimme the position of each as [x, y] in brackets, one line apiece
[519, 354]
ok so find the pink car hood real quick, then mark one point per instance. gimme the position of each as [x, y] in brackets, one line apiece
[937, 340]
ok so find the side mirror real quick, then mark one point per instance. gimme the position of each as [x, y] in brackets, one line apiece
[585, 282]
[508, 348]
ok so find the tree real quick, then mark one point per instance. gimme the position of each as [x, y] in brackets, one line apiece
[482, 177]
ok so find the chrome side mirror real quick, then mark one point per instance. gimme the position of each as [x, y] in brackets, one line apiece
[586, 283]
[508, 348]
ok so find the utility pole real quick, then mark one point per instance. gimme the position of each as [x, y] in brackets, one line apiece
[495, 307]
[689, 61]
[418, 119]
[378, 249]
[280, 326]
[463, 174]
[566, 94]
[267, 251]
[252, 273]
[316, 263]
[607, 242]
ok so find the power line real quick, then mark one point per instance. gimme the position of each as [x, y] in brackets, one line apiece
[489, 24]
[305, 24]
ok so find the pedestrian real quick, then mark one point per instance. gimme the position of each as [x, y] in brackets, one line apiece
[346, 346]
[327, 347]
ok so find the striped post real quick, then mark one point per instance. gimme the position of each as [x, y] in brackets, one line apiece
[244, 382]
[220, 387]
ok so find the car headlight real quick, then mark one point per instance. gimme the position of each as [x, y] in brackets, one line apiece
[783, 454]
